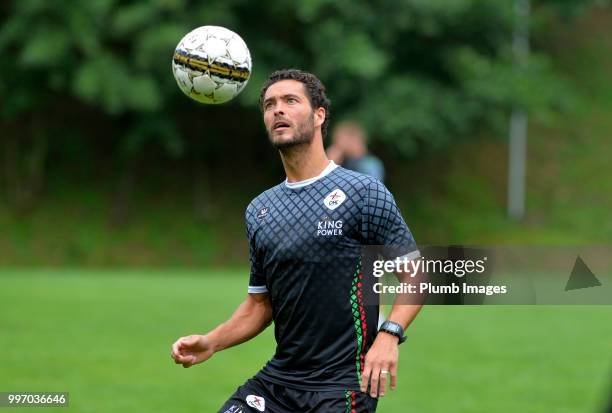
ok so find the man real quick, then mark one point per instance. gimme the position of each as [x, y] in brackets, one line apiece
[305, 238]
[349, 149]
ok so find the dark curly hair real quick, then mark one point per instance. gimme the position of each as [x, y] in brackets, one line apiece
[313, 86]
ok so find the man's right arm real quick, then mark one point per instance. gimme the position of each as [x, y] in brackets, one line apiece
[249, 319]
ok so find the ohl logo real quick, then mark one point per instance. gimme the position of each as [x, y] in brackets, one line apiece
[257, 402]
[334, 199]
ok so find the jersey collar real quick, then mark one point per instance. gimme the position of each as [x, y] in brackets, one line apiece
[300, 184]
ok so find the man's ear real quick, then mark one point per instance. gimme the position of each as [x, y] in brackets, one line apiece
[319, 116]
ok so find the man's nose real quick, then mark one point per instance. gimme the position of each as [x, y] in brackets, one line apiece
[279, 109]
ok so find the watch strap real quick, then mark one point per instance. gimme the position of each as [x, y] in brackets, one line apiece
[393, 328]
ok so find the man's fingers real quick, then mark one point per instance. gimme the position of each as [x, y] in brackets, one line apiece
[182, 342]
[177, 347]
[175, 353]
[393, 373]
[187, 350]
[180, 359]
[189, 361]
[374, 381]
[178, 350]
[382, 386]
[365, 378]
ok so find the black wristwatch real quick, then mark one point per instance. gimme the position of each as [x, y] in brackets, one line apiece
[395, 329]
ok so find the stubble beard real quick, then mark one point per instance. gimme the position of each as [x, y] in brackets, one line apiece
[303, 135]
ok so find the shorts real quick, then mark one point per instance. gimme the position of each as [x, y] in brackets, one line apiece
[259, 395]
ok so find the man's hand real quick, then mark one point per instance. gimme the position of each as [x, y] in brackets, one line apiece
[250, 318]
[191, 350]
[380, 361]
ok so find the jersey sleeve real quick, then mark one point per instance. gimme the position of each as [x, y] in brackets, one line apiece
[257, 280]
[383, 225]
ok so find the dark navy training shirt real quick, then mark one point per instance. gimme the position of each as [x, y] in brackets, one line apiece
[305, 250]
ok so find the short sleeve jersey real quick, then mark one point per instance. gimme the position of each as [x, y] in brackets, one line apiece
[305, 252]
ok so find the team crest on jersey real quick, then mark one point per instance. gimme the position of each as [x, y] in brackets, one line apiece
[263, 213]
[257, 402]
[334, 199]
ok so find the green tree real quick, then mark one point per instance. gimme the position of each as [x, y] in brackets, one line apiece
[419, 74]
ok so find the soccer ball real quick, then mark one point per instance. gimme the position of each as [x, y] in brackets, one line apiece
[211, 64]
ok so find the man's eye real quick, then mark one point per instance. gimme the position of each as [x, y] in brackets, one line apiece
[292, 100]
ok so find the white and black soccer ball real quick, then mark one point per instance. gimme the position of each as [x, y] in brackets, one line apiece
[211, 64]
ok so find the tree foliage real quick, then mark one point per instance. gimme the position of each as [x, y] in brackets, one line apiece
[418, 73]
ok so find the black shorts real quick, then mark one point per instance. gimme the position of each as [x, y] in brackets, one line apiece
[258, 395]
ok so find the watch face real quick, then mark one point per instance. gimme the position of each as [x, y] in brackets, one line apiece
[392, 327]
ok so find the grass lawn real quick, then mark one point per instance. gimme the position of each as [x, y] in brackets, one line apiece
[105, 336]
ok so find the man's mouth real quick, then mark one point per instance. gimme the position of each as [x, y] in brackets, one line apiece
[280, 125]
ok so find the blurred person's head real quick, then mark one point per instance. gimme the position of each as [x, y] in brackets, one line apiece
[350, 138]
[295, 108]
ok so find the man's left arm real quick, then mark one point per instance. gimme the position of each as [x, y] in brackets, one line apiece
[382, 358]
[385, 226]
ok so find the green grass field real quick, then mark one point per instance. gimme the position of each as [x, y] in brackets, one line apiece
[105, 336]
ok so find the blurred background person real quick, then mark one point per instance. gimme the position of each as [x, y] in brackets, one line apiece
[349, 149]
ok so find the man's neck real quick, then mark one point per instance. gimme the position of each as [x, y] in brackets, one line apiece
[304, 161]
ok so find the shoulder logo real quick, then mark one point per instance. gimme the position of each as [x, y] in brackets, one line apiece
[257, 402]
[236, 408]
[263, 212]
[334, 199]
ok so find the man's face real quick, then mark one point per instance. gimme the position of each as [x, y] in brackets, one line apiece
[350, 140]
[288, 115]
